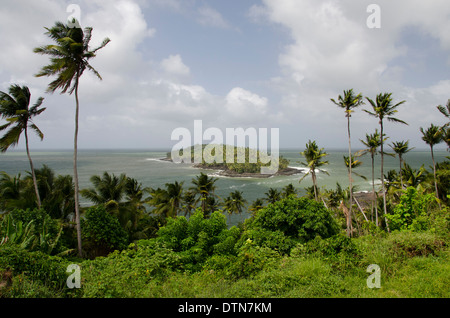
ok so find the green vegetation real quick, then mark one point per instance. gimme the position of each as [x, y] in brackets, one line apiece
[286, 250]
[175, 241]
[211, 160]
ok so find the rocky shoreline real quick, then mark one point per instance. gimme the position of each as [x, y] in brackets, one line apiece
[289, 171]
[233, 174]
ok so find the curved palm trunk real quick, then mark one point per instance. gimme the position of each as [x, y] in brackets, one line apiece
[382, 177]
[75, 173]
[349, 219]
[33, 175]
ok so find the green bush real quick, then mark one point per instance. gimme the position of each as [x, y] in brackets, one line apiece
[412, 213]
[49, 270]
[40, 220]
[198, 238]
[102, 232]
[285, 223]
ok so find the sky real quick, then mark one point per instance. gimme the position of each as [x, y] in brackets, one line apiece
[236, 63]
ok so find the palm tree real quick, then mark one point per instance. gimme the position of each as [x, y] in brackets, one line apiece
[257, 205]
[69, 57]
[413, 177]
[383, 108]
[108, 189]
[273, 195]
[159, 199]
[348, 102]
[14, 107]
[11, 189]
[188, 202]
[445, 111]
[446, 129]
[401, 148]
[372, 142]
[203, 188]
[432, 136]
[288, 190]
[235, 202]
[175, 193]
[355, 163]
[314, 156]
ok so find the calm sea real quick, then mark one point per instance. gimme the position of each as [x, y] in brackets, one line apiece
[151, 172]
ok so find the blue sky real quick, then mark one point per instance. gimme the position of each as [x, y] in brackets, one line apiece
[246, 63]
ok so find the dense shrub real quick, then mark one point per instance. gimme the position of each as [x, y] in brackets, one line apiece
[40, 220]
[126, 273]
[285, 223]
[199, 237]
[412, 211]
[49, 270]
[102, 232]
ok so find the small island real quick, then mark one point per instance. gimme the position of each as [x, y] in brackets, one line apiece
[235, 169]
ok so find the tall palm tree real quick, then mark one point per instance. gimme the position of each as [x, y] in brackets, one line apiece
[401, 148]
[372, 142]
[15, 108]
[69, 58]
[314, 156]
[384, 108]
[348, 102]
[204, 187]
[432, 136]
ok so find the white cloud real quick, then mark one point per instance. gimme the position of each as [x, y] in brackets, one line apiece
[210, 17]
[332, 49]
[174, 65]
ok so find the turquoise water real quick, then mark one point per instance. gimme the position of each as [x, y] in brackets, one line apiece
[151, 172]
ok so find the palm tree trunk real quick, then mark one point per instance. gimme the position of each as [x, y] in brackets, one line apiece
[401, 177]
[374, 193]
[434, 172]
[33, 175]
[75, 172]
[313, 175]
[349, 220]
[382, 177]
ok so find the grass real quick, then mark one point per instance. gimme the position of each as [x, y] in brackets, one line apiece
[413, 265]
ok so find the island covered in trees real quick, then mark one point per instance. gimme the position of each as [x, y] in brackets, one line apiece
[235, 168]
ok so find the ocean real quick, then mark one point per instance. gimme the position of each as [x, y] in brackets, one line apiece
[145, 166]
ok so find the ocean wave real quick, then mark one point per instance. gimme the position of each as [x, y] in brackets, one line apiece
[305, 170]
